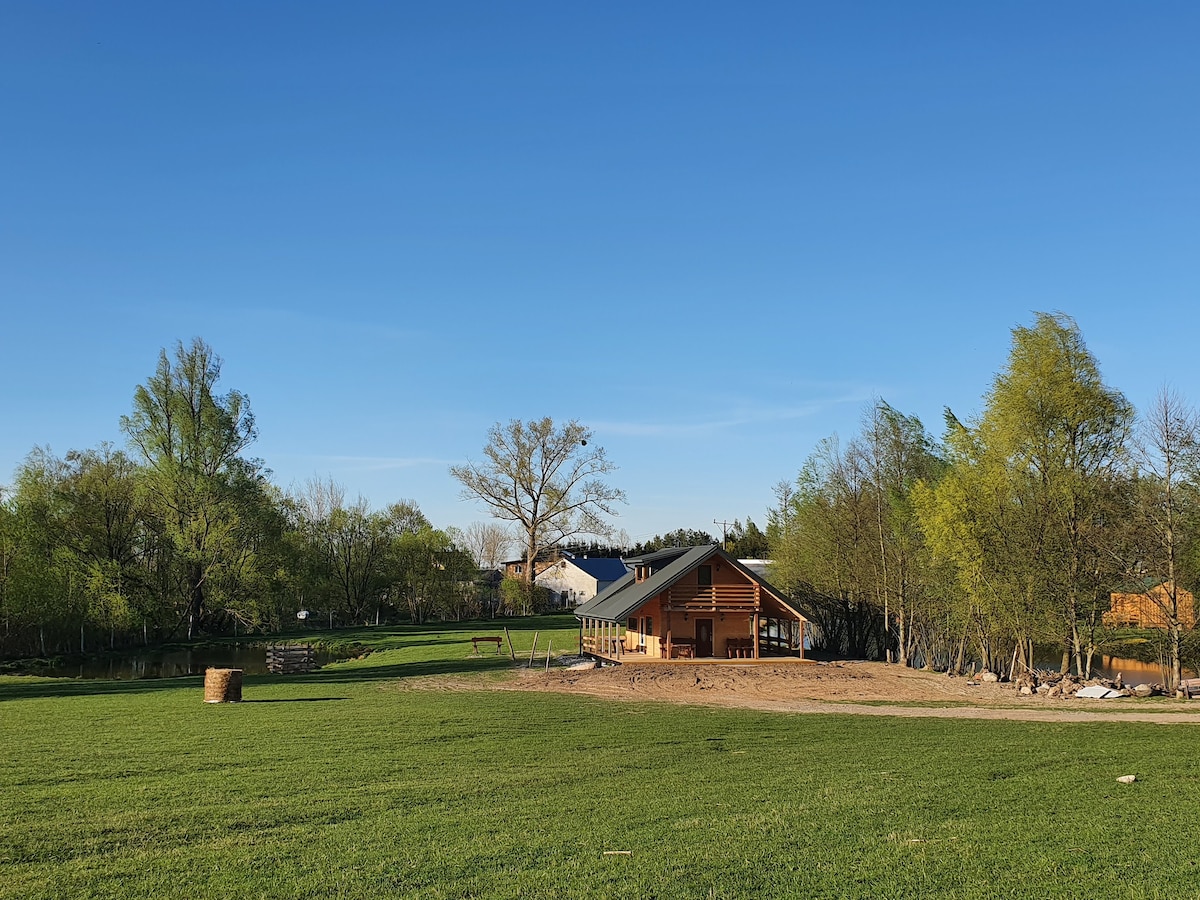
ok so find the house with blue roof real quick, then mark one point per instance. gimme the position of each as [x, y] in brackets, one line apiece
[575, 579]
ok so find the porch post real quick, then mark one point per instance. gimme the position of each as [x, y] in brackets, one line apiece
[802, 639]
[755, 627]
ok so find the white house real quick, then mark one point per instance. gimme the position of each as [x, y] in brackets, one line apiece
[577, 579]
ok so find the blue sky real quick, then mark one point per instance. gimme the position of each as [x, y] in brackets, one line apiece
[710, 231]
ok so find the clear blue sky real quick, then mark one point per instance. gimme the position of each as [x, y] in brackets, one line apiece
[710, 231]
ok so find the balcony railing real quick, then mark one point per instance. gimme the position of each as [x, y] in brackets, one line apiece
[723, 596]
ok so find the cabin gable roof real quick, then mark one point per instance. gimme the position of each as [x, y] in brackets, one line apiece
[626, 595]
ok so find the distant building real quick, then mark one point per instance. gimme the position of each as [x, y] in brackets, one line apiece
[1148, 608]
[577, 579]
[515, 568]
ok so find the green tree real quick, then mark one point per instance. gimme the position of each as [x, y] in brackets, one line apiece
[198, 482]
[1025, 512]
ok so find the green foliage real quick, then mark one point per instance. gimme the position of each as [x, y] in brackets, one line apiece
[97, 548]
[680, 537]
[844, 538]
[522, 598]
[1027, 514]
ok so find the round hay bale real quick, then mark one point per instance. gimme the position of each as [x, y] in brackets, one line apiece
[222, 685]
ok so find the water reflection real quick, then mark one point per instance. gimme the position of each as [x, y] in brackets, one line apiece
[1132, 671]
[251, 659]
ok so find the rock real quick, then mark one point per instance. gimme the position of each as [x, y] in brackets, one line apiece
[1097, 692]
[1143, 690]
[1127, 779]
[1025, 690]
[1054, 691]
[989, 677]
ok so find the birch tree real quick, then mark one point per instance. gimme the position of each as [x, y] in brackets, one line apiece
[1166, 462]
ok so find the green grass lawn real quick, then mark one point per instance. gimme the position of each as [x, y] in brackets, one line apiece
[340, 784]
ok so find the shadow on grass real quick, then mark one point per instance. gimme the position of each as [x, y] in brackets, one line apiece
[88, 687]
[298, 700]
[82, 687]
[396, 671]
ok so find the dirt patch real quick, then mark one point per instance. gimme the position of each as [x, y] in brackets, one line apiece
[862, 688]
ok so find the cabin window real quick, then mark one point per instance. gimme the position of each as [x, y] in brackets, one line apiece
[632, 626]
[704, 576]
[647, 628]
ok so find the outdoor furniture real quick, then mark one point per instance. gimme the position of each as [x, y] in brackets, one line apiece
[739, 648]
[476, 641]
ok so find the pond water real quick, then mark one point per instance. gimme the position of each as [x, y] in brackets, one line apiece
[1132, 671]
[251, 659]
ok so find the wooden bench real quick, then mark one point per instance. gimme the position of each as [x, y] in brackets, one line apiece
[739, 648]
[476, 641]
[1190, 687]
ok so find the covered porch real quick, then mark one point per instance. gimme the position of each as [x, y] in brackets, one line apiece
[690, 631]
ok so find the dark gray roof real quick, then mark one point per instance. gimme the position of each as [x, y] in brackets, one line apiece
[624, 596]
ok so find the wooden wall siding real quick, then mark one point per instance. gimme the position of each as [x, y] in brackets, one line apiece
[736, 604]
[1143, 611]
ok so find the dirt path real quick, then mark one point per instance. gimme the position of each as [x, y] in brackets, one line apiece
[850, 687]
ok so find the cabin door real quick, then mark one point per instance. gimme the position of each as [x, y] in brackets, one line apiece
[704, 637]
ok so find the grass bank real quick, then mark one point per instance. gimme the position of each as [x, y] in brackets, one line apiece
[343, 784]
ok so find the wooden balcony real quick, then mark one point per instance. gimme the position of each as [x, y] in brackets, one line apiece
[713, 598]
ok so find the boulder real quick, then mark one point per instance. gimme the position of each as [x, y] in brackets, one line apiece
[988, 677]
[1097, 692]
[1143, 690]
[1025, 690]
[1127, 779]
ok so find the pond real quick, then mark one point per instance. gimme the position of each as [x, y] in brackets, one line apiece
[1132, 671]
[250, 658]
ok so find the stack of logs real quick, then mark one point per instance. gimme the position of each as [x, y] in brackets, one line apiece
[290, 659]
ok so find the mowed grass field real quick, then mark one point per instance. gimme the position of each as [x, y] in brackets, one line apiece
[347, 784]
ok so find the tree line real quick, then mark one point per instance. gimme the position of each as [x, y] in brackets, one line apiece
[1007, 535]
[185, 533]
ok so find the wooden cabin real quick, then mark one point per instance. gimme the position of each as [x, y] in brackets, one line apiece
[690, 603]
[1148, 608]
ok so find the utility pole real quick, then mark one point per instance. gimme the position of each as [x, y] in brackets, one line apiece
[724, 534]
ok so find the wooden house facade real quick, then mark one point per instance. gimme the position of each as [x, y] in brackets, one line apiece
[690, 603]
[1148, 608]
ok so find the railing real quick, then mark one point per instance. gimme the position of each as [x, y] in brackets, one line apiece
[607, 646]
[739, 596]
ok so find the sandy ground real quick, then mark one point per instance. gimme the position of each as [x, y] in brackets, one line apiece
[863, 688]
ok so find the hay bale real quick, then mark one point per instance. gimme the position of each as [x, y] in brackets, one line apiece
[222, 685]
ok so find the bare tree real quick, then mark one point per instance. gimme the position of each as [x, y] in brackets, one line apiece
[488, 542]
[1167, 460]
[546, 480]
